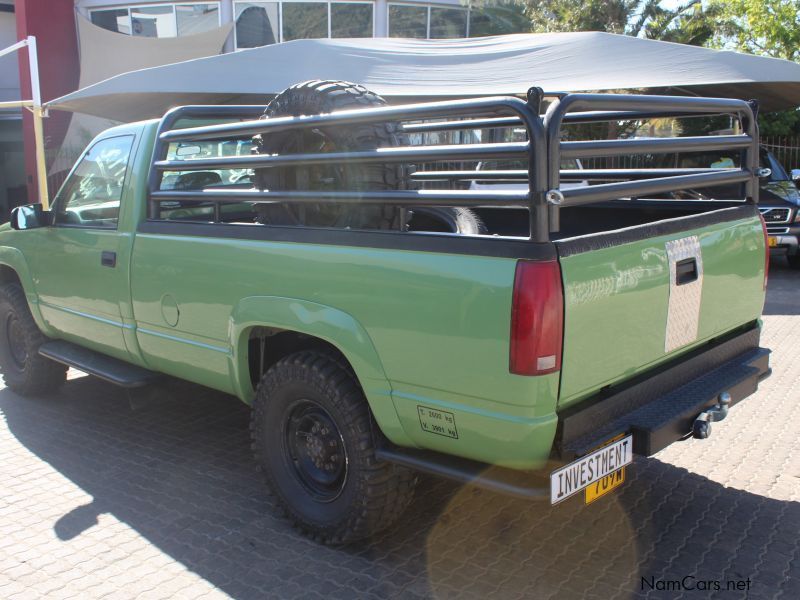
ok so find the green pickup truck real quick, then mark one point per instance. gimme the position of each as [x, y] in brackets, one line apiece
[380, 323]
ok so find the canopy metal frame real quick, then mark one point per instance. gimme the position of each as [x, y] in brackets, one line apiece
[37, 111]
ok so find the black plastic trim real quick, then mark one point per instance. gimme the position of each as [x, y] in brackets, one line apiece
[393, 240]
[609, 239]
[520, 484]
[658, 404]
[109, 369]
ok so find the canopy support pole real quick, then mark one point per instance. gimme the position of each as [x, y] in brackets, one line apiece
[38, 112]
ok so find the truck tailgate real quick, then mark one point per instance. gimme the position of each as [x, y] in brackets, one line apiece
[636, 297]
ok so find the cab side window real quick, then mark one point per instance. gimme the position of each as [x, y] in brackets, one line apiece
[91, 195]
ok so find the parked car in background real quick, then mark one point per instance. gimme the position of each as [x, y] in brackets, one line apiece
[779, 198]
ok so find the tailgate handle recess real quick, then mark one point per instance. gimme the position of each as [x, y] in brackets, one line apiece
[686, 271]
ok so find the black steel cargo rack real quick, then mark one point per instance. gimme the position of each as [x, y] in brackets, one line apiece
[544, 150]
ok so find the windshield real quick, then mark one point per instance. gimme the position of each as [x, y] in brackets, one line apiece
[769, 161]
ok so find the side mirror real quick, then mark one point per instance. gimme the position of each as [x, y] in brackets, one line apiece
[29, 216]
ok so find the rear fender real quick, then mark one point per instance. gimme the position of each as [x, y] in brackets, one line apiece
[326, 323]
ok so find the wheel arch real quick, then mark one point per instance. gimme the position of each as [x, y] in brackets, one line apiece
[322, 326]
[14, 269]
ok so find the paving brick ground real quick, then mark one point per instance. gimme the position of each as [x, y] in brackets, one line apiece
[99, 499]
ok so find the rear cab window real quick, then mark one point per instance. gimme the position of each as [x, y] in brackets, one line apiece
[225, 179]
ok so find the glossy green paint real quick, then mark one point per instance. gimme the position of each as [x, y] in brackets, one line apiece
[419, 328]
[616, 303]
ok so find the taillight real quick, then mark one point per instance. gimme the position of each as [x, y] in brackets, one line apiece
[766, 249]
[537, 319]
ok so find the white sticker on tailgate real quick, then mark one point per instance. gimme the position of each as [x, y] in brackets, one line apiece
[574, 477]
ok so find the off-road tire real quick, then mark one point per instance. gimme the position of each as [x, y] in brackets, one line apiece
[447, 220]
[373, 494]
[318, 97]
[24, 370]
[794, 261]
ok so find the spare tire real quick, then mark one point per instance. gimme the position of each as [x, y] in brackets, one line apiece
[318, 97]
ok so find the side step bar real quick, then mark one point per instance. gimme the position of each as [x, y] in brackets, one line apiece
[109, 369]
[520, 484]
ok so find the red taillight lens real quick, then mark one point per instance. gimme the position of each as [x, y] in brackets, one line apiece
[537, 319]
[766, 249]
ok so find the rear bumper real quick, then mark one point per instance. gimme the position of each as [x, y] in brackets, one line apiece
[659, 408]
[787, 239]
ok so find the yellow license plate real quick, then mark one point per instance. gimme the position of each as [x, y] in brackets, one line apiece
[604, 486]
[773, 241]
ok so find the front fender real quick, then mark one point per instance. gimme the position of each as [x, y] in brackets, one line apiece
[14, 259]
[330, 324]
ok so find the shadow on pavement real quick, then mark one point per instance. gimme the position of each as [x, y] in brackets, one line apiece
[180, 473]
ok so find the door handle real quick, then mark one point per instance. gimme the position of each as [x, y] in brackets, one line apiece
[108, 259]
[686, 271]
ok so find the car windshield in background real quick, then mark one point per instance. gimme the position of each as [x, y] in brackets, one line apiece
[198, 180]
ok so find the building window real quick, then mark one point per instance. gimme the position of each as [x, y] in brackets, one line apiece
[497, 18]
[260, 23]
[447, 23]
[153, 21]
[163, 20]
[196, 18]
[427, 22]
[257, 24]
[118, 20]
[407, 21]
[351, 20]
[304, 20]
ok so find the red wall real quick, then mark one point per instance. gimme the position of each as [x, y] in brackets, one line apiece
[53, 24]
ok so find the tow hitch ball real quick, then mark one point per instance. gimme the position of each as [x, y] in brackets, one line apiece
[701, 428]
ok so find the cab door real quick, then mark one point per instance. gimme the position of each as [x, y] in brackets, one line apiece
[81, 275]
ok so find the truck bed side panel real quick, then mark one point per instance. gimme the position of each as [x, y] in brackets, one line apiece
[440, 324]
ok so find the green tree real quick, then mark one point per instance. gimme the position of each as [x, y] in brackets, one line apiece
[692, 22]
[767, 27]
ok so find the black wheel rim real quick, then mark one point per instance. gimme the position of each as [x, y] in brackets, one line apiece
[315, 450]
[14, 339]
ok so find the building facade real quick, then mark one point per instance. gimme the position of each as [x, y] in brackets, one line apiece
[263, 22]
[57, 25]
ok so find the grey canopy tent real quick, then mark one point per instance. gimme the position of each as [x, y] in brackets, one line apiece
[402, 69]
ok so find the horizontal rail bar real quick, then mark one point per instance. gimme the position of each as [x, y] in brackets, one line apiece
[565, 174]
[469, 175]
[612, 191]
[631, 174]
[623, 147]
[494, 105]
[382, 155]
[395, 197]
[463, 124]
[570, 118]
[665, 105]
